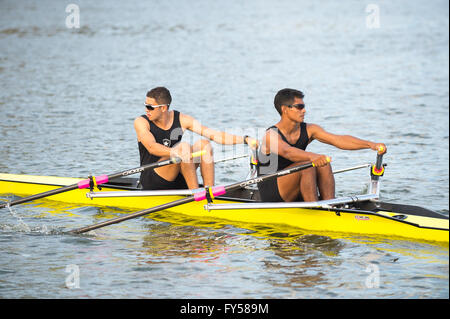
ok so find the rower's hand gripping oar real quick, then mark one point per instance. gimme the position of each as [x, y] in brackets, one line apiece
[94, 181]
[206, 193]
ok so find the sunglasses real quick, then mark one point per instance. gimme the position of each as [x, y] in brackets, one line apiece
[297, 106]
[152, 107]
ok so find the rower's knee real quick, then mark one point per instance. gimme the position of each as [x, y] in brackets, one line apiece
[203, 145]
[306, 171]
[181, 148]
[309, 173]
[327, 169]
[206, 147]
[185, 147]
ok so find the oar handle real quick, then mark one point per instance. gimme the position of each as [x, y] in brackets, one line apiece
[378, 168]
[380, 154]
[379, 162]
[254, 158]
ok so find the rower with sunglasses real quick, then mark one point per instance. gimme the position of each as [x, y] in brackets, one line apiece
[284, 145]
[159, 133]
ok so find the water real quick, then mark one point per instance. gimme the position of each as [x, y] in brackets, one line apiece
[69, 98]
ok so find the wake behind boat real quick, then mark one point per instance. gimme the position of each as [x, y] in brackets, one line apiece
[358, 214]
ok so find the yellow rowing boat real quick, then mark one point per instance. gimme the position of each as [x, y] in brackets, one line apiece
[361, 214]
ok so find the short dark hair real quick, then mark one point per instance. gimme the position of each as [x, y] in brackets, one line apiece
[286, 97]
[161, 95]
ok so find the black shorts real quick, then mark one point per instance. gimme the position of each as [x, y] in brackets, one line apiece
[150, 180]
[269, 192]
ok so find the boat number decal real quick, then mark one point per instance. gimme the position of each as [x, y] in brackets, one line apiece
[362, 217]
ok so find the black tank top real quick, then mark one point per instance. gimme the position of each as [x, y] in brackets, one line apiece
[271, 163]
[168, 138]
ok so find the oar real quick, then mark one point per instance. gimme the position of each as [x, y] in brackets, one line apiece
[207, 193]
[230, 158]
[351, 168]
[97, 180]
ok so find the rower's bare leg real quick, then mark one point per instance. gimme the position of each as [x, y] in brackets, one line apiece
[170, 172]
[188, 170]
[302, 182]
[206, 161]
[325, 182]
[308, 185]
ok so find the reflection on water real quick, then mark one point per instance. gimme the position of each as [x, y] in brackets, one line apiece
[165, 240]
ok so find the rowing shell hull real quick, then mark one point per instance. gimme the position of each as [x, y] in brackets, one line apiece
[363, 222]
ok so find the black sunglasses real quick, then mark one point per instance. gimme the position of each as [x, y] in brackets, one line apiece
[297, 106]
[152, 107]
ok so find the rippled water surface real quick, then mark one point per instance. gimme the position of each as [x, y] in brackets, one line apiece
[69, 98]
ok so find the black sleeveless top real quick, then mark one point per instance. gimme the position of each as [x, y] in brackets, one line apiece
[270, 163]
[168, 138]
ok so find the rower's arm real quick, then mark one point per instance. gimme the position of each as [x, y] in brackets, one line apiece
[189, 123]
[148, 140]
[273, 143]
[345, 142]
